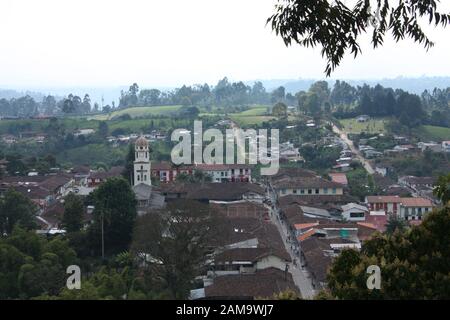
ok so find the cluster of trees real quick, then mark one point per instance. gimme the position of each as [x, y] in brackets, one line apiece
[414, 262]
[426, 164]
[121, 256]
[31, 265]
[360, 184]
[16, 210]
[26, 106]
[437, 103]
[225, 93]
[409, 109]
[318, 157]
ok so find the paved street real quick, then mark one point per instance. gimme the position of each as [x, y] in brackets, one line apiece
[344, 137]
[301, 277]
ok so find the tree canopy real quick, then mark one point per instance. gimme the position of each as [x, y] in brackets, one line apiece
[337, 28]
[414, 264]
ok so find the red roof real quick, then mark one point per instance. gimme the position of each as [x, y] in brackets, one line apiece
[339, 178]
[416, 202]
[384, 199]
[301, 226]
[377, 221]
[306, 235]
[220, 167]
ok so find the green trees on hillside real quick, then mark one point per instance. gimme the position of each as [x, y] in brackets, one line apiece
[31, 265]
[16, 210]
[414, 263]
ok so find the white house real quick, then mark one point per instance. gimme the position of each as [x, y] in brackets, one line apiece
[446, 146]
[354, 212]
[415, 208]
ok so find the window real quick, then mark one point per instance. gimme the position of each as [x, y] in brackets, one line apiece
[302, 191]
[334, 190]
[325, 190]
[295, 191]
[145, 177]
[283, 191]
[142, 167]
[357, 214]
[317, 191]
[309, 191]
[139, 178]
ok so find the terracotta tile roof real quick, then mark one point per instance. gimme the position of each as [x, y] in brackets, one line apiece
[55, 182]
[33, 192]
[416, 202]
[111, 173]
[262, 284]
[250, 254]
[221, 167]
[339, 177]
[228, 191]
[378, 221]
[383, 199]
[245, 209]
[367, 224]
[158, 166]
[305, 182]
[301, 226]
[292, 172]
[235, 230]
[54, 213]
[307, 234]
[316, 200]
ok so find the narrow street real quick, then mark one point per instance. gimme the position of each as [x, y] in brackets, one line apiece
[300, 276]
[344, 137]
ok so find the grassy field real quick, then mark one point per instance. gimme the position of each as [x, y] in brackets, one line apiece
[250, 120]
[434, 133]
[137, 112]
[254, 111]
[371, 126]
[256, 115]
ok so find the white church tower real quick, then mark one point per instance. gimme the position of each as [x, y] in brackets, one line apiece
[142, 173]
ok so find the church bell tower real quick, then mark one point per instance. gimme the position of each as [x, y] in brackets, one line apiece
[142, 173]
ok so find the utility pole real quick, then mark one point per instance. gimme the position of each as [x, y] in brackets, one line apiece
[103, 237]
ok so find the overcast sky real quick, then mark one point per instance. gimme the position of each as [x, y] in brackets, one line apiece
[170, 42]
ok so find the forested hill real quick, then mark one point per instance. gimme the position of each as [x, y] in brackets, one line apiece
[412, 85]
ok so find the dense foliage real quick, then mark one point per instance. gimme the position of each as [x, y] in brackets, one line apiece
[337, 27]
[414, 264]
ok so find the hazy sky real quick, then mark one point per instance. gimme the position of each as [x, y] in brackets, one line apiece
[170, 42]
